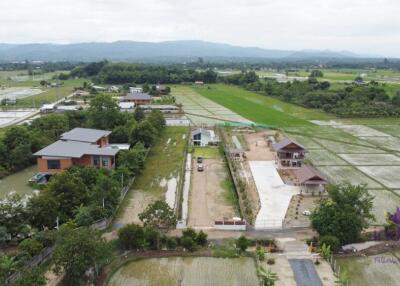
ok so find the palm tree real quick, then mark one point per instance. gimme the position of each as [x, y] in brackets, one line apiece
[268, 277]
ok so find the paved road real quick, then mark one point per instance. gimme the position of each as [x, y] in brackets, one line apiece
[305, 273]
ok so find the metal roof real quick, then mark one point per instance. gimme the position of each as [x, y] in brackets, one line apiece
[137, 96]
[285, 142]
[73, 149]
[85, 135]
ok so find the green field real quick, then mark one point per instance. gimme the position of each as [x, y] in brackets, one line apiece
[164, 161]
[259, 108]
[207, 152]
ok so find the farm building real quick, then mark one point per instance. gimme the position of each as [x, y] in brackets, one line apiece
[204, 137]
[126, 106]
[135, 90]
[137, 98]
[164, 108]
[310, 180]
[289, 154]
[80, 146]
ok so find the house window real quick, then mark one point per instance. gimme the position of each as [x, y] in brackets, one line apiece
[104, 162]
[96, 161]
[53, 164]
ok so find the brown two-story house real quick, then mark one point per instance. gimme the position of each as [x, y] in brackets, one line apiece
[289, 154]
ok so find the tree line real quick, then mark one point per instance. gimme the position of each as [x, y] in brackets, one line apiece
[123, 73]
[353, 100]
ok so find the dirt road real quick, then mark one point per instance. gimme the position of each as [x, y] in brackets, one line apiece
[207, 202]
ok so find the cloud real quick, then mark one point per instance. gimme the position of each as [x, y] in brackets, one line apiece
[367, 26]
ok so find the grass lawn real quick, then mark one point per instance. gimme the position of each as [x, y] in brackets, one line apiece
[259, 108]
[207, 152]
[164, 161]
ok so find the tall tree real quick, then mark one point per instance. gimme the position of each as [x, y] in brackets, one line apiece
[104, 112]
[345, 214]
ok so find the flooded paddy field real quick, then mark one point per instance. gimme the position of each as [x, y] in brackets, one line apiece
[187, 271]
[8, 116]
[18, 182]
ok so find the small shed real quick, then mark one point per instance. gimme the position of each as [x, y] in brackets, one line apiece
[310, 180]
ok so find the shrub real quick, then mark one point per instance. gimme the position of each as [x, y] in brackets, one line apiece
[201, 238]
[132, 236]
[242, 243]
[260, 254]
[271, 261]
[188, 243]
[171, 243]
[330, 240]
[31, 246]
[190, 232]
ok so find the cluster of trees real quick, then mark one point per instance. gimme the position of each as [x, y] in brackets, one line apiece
[158, 219]
[342, 217]
[20, 142]
[121, 73]
[354, 100]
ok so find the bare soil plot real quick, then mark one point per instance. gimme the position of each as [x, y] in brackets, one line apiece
[384, 201]
[258, 149]
[207, 201]
[298, 204]
[387, 175]
[342, 174]
[324, 158]
[371, 159]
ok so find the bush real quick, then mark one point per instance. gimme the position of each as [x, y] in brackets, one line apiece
[271, 261]
[31, 246]
[188, 243]
[190, 232]
[330, 240]
[242, 243]
[260, 254]
[171, 243]
[201, 238]
[132, 236]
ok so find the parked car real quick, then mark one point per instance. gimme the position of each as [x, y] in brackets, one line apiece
[200, 168]
[199, 160]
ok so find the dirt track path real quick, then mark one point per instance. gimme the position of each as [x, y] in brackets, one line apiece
[207, 202]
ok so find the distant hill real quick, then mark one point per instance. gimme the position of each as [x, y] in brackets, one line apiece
[131, 51]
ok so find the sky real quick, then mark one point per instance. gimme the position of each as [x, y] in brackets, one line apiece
[370, 27]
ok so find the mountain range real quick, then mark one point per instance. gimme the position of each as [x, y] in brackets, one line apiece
[137, 51]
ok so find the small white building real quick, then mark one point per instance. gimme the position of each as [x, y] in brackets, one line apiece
[46, 108]
[126, 106]
[135, 90]
[203, 137]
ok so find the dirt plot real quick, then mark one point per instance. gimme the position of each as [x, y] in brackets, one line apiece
[207, 202]
[298, 204]
[258, 148]
[342, 174]
[324, 158]
[387, 176]
[371, 159]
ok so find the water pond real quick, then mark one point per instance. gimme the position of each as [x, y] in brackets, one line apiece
[187, 271]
